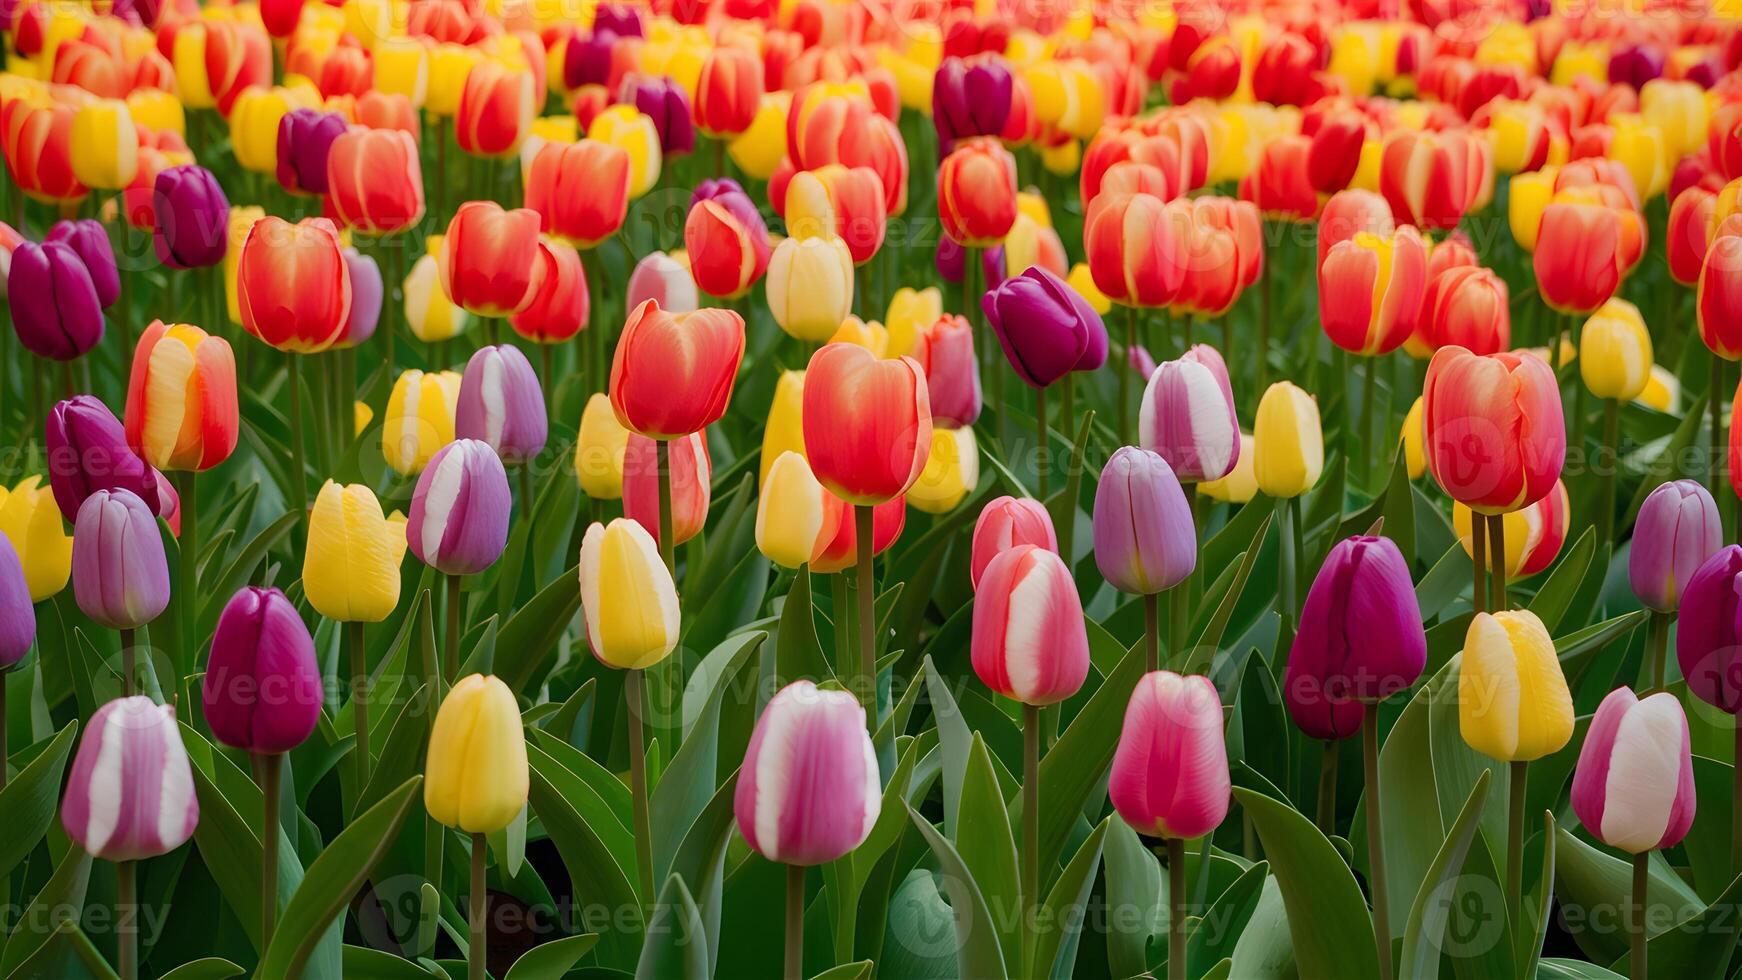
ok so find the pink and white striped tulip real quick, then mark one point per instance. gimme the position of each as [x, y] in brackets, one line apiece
[1006, 522]
[131, 791]
[502, 404]
[459, 511]
[1187, 416]
[1634, 785]
[1170, 771]
[809, 791]
[1029, 641]
[661, 277]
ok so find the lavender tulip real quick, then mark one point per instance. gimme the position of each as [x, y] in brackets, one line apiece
[459, 512]
[1677, 530]
[1044, 325]
[367, 293]
[88, 238]
[305, 139]
[55, 307]
[17, 615]
[88, 451]
[1188, 417]
[1145, 541]
[262, 686]
[971, 98]
[193, 217]
[131, 791]
[809, 789]
[502, 405]
[120, 574]
[1708, 637]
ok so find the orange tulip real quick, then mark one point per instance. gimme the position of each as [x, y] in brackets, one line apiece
[867, 423]
[1278, 184]
[559, 311]
[489, 260]
[375, 181]
[238, 57]
[673, 372]
[1370, 291]
[1690, 217]
[387, 110]
[1579, 258]
[181, 398]
[1494, 437]
[691, 483]
[1465, 306]
[37, 141]
[495, 111]
[1347, 213]
[1134, 250]
[580, 190]
[293, 286]
[977, 193]
[729, 91]
[1720, 292]
[1224, 253]
[348, 71]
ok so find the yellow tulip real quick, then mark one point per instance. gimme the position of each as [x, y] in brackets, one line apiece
[1616, 349]
[1034, 205]
[1587, 58]
[758, 150]
[1641, 148]
[369, 21]
[599, 450]
[475, 779]
[554, 129]
[810, 212]
[784, 430]
[1513, 703]
[1411, 439]
[1663, 390]
[429, 313]
[449, 64]
[1367, 166]
[254, 124]
[1083, 282]
[910, 311]
[242, 220]
[188, 58]
[420, 418]
[795, 519]
[1530, 194]
[402, 66]
[350, 570]
[361, 416]
[952, 470]
[1508, 43]
[1514, 127]
[103, 145]
[913, 81]
[810, 286]
[627, 596]
[624, 127]
[1355, 57]
[871, 336]
[31, 521]
[1288, 445]
[1239, 486]
[157, 110]
[1062, 159]
[1680, 110]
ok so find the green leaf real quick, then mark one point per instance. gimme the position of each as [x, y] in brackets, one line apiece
[550, 961]
[1572, 970]
[1425, 930]
[1327, 917]
[240, 569]
[977, 951]
[363, 963]
[1061, 925]
[525, 641]
[1669, 462]
[210, 968]
[1078, 761]
[30, 798]
[1540, 907]
[332, 879]
[65, 889]
[1213, 935]
[402, 754]
[1592, 881]
[860, 970]
[1135, 886]
[677, 940]
[797, 651]
[988, 848]
[66, 954]
[1400, 509]
[1556, 595]
[1699, 947]
[1210, 639]
[593, 869]
[954, 742]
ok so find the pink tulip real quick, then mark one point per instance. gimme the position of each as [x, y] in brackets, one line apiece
[1005, 523]
[131, 791]
[1187, 416]
[1170, 771]
[1633, 788]
[1029, 642]
[809, 790]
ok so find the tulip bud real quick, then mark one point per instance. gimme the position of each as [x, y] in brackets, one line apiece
[627, 596]
[293, 285]
[953, 373]
[120, 574]
[182, 411]
[1528, 196]
[500, 403]
[1533, 533]
[374, 180]
[1170, 772]
[1708, 636]
[795, 517]
[623, 126]
[30, 520]
[90, 240]
[420, 418]
[1007, 522]
[1134, 250]
[262, 687]
[977, 193]
[784, 429]
[489, 259]
[809, 791]
[1579, 258]
[1187, 416]
[1465, 306]
[1615, 354]
[459, 511]
[1371, 289]
[350, 568]
[599, 449]
[305, 140]
[952, 471]
[1045, 328]
[673, 373]
[103, 145]
[1513, 703]
[192, 228]
[810, 286]
[88, 451]
[580, 190]
[17, 615]
[496, 107]
[691, 484]
[971, 98]
[130, 794]
[1684, 239]
[1494, 434]
[1360, 638]
[1288, 446]
[867, 423]
[728, 92]
[1145, 540]
[665, 280]
[1633, 788]
[54, 302]
[475, 778]
[1676, 531]
[1029, 642]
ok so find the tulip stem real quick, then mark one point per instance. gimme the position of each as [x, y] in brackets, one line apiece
[1286, 556]
[795, 922]
[126, 920]
[359, 702]
[1375, 841]
[1125, 370]
[1496, 560]
[270, 772]
[667, 547]
[1031, 829]
[298, 469]
[1179, 621]
[1176, 919]
[1735, 802]
[451, 638]
[1660, 651]
[1151, 632]
[1611, 461]
[865, 529]
[5, 755]
[1327, 810]
[1715, 403]
[187, 485]
[1479, 560]
[479, 946]
[632, 684]
[126, 664]
[1636, 910]
[1370, 454]
[1040, 460]
[843, 634]
[1520, 773]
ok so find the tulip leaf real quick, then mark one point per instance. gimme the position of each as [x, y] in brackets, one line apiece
[210, 968]
[65, 889]
[1078, 761]
[1210, 637]
[240, 570]
[525, 641]
[677, 940]
[66, 954]
[860, 970]
[1556, 594]
[1211, 936]
[364, 963]
[552, 960]
[1700, 946]
[1066, 907]
[602, 796]
[1708, 840]
[1328, 920]
[797, 651]
[954, 743]
[1572, 970]
[29, 799]
[1424, 931]
[1399, 509]
[1538, 908]
[1135, 885]
[594, 869]
[988, 848]
[977, 951]
[1593, 885]
[402, 753]
[1448, 577]
[1243, 532]
[1667, 464]
[332, 879]
[1574, 648]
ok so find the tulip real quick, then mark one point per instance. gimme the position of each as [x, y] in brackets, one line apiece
[495, 110]
[835, 201]
[1708, 643]
[673, 374]
[953, 373]
[1579, 258]
[795, 517]
[1465, 306]
[350, 570]
[599, 449]
[910, 311]
[1240, 485]
[120, 574]
[666, 103]
[580, 190]
[459, 512]
[1289, 450]
[192, 217]
[475, 778]
[429, 313]
[293, 285]
[90, 240]
[374, 181]
[261, 692]
[38, 144]
[305, 144]
[1044, 326]
[971, 98]
[419, 419]
[1348, 213]
[1004, 523]
[87, 451]
[821, 733]
[368, 293]
[1528, 197]
[727, 242]
[256, 118]
[665, 279]
[810, 286]
[1029, 641]
[867, 423]
[130, 794]
[32, 524]
[952, 471]
[1187, 416]
[624, 127]
[1690, 215]
[1278, 185]
[489, 260]
[1170, 771]
[1719, 297]
[1145, 542]
[17, 616]
[690, 473]
[728, 92]
[1676, 532]
[181, 398]
[1370, 291]
[977, 193]
[501, 403]
[784, 428]
[1432, 179]
[627, 596]
[103, 146]
[759, 150]
[54, 302]
[1495, 438]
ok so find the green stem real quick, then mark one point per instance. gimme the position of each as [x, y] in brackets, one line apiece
[843, 634]
[1520, 774]
[1177, 909]
[1369, 415]
[1715, 403]
[1327, 810]
[127, 671]
[1030, 828]
[1151, 632]
[1479, 561]
[667, 547]
[270, 771]
[1735, 804]
[187, 486]
[1124, 369]
[1287, 557]
[127, 919]
[866, 685]
[1179, 621]
[1660, 650]
[795, 922]
[1040, 459]
[1636, 919]
[632, 685]
[1610, 458]
[359, 701]
[1375, 840]
[451, 637]
[298, 468]
[1496, 560]
[478, 949]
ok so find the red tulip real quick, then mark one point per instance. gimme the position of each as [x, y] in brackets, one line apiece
[1465, 306]
[37, 143]
[691, 484]
[977, 193]
[374, 180]
[496, 109]
[1134, 250]
[489, 261]
[1720, 292]
[1494, 437]
[1347, 213]
[841, 552]
[559, 311]
[729, 91]
[1690, 217]
[292, 284]
[1336, 150]
[580, 190]
[673, 372]
[1278, 184]
[726, 239]
[1370, 291]
[1432, 179]
[1579, 258]
[867, 423]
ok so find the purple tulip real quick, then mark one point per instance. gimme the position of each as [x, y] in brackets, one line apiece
[618, 20]
[88, 238]
[1633, 787]
[1635, 64]
[193, 217]
[17, 615]
[131, 791]
[120, 575]
[88, 451]
[953, 378]
[949, 259]
[1187, 416]
[666, 103]
[367, 292]
[1360, 638]
[1677, 530]
[1043, 325]
[502, 405]
[305, 138]
[1705, 73]
[587, 59]
[1708, 636]
[262, 687]
[970, 98]
[459, 511]
[54, 302]
[1145, 541]
[809, 790]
